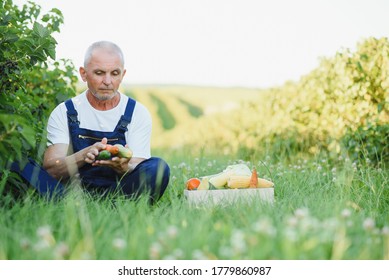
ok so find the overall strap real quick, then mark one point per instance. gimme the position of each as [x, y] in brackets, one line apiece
[72, 113]
[127, 117]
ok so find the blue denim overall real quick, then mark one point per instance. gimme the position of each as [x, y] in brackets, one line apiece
[151, 175]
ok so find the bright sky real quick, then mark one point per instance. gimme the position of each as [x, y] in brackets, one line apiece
[251, 43]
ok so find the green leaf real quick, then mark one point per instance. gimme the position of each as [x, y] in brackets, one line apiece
[40, 30]
[45, 18]
[359, 66]
[364, 57]
[51, 52]
[10, 38]
[5, 20]
[56, 11]
[29, 134]
[380, 107]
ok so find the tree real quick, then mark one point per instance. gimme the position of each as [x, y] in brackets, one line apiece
[32, 83]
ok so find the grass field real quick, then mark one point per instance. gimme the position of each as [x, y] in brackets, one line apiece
[323, 210]
[325, 207]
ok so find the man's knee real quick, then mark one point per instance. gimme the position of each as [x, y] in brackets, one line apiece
[151, 175]
[160, 173]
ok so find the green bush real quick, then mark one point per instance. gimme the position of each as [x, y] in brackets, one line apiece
[339, 107]
[369, 143]
[31, 83]
[343, 104]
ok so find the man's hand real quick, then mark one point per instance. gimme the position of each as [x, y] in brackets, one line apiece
[93, 152]
[61, 166]
[120, 165]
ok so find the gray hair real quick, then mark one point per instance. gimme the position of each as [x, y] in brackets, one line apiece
[112, 47]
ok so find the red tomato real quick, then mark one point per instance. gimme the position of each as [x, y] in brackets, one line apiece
[192, 183]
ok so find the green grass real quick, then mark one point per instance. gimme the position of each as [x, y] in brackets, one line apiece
[323, 209]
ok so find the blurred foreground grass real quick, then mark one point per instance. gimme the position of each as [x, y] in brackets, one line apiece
[323, 209]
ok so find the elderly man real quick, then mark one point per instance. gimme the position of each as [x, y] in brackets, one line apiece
[81, 127]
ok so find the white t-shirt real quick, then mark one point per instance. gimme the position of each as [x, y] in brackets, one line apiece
[139, 130]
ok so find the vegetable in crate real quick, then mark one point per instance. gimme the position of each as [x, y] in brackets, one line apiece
[220, 180]
[238, 182]
[254, 179]
[204, 184]
[238, 176]
[192, 184]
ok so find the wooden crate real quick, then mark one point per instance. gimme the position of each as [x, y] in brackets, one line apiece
[227, 196]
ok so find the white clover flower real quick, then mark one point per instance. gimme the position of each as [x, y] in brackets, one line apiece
[86, 256]
[308, 224]
[226, 251]
[238, 242]
[169, 258]
[301, 213]
[385, 231]
[172, 231]
[45, 234]
[346, 213]
[155, 250]
[292, 221]
[264, 226]
[291, 234]
[178, 253]
[25, 243]
[330, 224]
[368, 224]
[198, 255]
[41, 245]
[43, 231]
[61, 251]
[119, 243]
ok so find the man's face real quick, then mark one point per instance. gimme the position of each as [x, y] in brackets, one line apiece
[103, 74]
